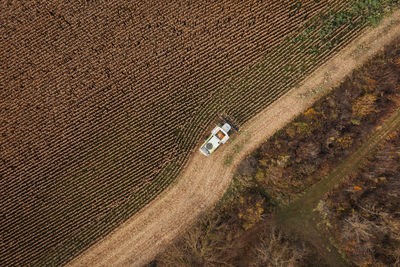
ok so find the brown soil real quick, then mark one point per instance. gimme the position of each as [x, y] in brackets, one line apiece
[205, 180]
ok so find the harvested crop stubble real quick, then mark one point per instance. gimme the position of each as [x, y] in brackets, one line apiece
[102, 102]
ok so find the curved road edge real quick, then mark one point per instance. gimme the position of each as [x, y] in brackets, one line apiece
[204, 180]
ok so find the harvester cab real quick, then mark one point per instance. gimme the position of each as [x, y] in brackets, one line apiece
[219, 135]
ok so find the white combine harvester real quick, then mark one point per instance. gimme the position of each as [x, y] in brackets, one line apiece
[219, 135]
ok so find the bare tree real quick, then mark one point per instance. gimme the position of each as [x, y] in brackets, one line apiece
[275, 251]
[357, 228]
[203, 245]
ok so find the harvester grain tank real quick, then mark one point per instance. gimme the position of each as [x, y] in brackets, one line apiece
[219, 135]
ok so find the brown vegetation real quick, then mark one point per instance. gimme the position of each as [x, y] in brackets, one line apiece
[310, 146]
[277, 250]
[217, 241]
[296, 158]
[364, 211]
[102, 102]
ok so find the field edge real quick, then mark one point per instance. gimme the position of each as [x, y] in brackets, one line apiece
[149, 228]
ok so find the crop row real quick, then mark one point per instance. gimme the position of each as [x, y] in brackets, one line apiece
[131, 159]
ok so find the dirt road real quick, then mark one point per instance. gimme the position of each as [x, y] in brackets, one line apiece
[204, 180]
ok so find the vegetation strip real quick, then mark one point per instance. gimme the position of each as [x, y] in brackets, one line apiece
[154, 227]
[298, 216]
[84, 82]
[361, 215]
[308, 149]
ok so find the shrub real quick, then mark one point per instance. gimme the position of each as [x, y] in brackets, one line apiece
[364, 105]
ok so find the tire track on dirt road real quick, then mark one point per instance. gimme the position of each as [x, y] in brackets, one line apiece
[204, 180]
